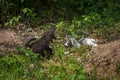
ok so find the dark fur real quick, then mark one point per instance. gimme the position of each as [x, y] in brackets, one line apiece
[42, 45]
[28, 40]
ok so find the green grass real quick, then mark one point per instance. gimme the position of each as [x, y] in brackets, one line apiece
[29, 67]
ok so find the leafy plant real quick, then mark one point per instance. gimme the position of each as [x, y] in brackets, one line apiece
[28, 53]
[118, 68]
[28, 12]
[13, 21]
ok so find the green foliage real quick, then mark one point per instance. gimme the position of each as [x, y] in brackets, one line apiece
[118, 68]
[11, 64]
[28, 66]
[59, 51]
[28, 12]
[92, 25]
[70, 68]
[92, 11]
[19, 66]
[13, 21]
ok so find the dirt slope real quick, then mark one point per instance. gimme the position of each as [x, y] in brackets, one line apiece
[11, 38]
[105, 60]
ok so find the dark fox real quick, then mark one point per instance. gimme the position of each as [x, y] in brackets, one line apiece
[41, 46]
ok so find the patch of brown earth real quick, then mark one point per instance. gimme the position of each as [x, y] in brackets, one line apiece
[105, 60]
[11, 38]
[8, 39]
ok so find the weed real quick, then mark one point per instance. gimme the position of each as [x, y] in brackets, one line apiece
[12, 22]
[118, 69]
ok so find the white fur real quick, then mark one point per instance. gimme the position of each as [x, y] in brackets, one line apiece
[74, 42]
[88, 41]
[82, 41]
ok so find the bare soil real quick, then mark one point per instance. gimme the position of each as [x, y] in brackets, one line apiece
[11, 38]
[105, 60]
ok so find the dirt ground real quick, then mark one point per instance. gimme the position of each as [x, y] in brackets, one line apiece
[104, 61]
[11, 38]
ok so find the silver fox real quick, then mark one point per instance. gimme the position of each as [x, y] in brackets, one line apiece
[72, 42]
